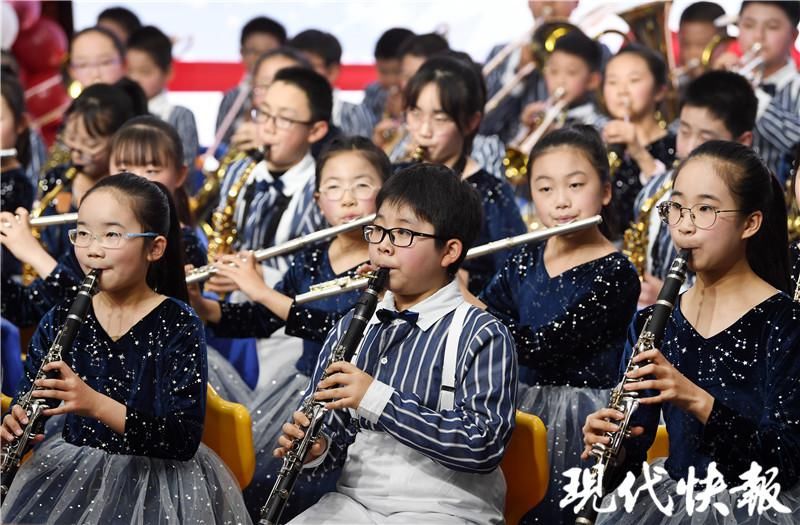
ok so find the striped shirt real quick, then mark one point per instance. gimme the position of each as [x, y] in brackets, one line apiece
[180, 118]
[405, 361]
[777, 129]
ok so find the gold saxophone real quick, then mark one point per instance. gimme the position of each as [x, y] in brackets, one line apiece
[223, 231]
[635, 238]
[198, 204]
[28, 273]
[793, 212]
[418, 155]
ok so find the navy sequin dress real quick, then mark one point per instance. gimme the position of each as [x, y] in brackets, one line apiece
[569, 332]
[751, 369]
[157, 471]
[16, 191]
[274, 405]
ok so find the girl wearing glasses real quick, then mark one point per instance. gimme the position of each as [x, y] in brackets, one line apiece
[725, 377]
[134, 385]
[444, 107]
[567, 301]
[348, 176]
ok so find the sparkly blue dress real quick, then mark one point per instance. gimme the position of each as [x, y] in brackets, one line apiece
[272, 406]
[751, 369]
[569, 332]
[157, 471]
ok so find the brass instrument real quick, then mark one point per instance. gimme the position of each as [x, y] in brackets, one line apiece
[419, 154]
[792, 211]
[28, 274]
[542, 45]
[505, 52]
[214, 173]
[515, 162]
[347, 283]
[222, 231]
[635, 238]
[12, 453]
[751, 64]
[201, 274]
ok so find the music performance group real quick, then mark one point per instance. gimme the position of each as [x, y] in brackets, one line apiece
[561, 286]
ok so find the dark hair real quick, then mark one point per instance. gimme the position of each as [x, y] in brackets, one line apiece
[262, 24]
[726, 95]
[152, 41]
[154, 209]
[436, 194]
[654, 62]
[286, 52]
[148, 139]
[791, 8]
[316, 88]
[425, 45]
[124, 17]
[318, 43]
[461, 93]
[14, 96]
[368, 150]
[388, 46]
[706, 12]
[118, 44]
[577, 44]
[753, 188]
[104, 108]
[587, 140]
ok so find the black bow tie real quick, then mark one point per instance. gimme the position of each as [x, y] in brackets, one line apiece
[387, 316]
[769, 89]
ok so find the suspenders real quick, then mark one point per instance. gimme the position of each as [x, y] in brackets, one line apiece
[447, 392]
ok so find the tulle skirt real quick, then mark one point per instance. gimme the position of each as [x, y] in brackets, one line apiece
[270, 409]
[563, 409]
[226, 380]
[64, 483]
[645, 512]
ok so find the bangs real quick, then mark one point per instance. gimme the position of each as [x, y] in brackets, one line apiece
[141, 146]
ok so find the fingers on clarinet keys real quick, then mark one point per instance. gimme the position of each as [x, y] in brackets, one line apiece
[13, 424]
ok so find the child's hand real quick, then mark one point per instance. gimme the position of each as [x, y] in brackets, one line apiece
[531, 112]
[384, 131]
[346, 384]
[600, 422]
[292, 431]
[208, 310]
[15, 234]
[673, 386]
[243, 271]
[620, 132]
[78, 397]
[246, 137]
[13, 425]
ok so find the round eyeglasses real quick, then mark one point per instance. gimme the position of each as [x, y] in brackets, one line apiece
[110, 240]
[703, 216]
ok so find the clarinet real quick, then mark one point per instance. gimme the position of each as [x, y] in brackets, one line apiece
[34, 407]
[315, 410]
[605, 470]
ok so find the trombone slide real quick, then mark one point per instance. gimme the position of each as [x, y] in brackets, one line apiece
[498, 97]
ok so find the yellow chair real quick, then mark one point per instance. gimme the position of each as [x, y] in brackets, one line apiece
[526, 467]
[660, 446]
[6, 403]
[228, 432]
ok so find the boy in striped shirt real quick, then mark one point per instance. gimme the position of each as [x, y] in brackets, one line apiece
[429, 397]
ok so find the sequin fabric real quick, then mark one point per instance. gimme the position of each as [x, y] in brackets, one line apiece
[568, 329]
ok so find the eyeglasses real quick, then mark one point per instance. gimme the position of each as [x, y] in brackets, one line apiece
[400, 237]
[360, 191]
[703, 216]
[86, 154]
[283, 123]
[107, 63]
[438, 121]
[109, 240]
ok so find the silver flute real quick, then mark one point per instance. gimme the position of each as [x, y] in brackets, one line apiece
[205, 272]
[347, 284]
[49, 220]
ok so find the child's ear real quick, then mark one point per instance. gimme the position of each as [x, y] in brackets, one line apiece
[157, 248]
[169, 73]
[595, 78]
[183, 172]
[332, 73]
[660, 93]
[23, 124]
[745, 138]
[752, 224]
[451, 252]
[606, 193]
[318, 131]
[473, 123]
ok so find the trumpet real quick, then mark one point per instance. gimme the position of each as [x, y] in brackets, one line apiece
[515, 162]
[751, 64]
[48, 220]
[347, 284]
[205, 272]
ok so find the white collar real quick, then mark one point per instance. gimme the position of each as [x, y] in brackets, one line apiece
[782, 76]
[430, 310]
[295, 177]
[159, 105]
[586, 109]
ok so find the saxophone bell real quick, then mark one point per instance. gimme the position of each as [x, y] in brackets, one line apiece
[419, 155]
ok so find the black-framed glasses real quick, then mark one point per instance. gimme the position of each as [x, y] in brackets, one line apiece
[109, 240]
[703, 216]
[262, 117]
[400, 237]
